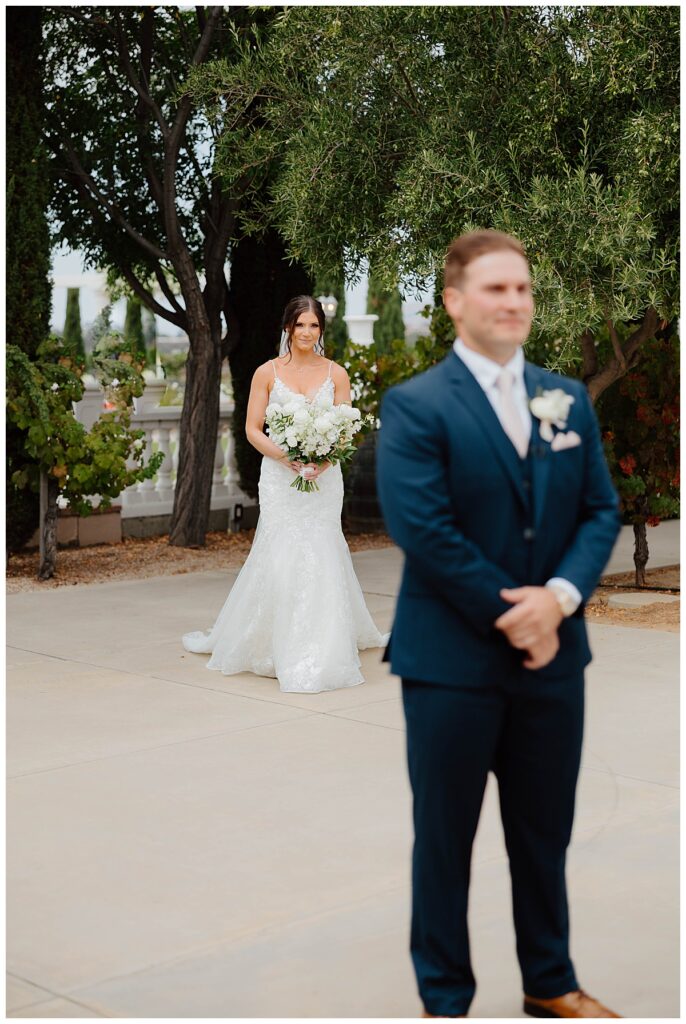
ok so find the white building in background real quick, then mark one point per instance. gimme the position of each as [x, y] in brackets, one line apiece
[68, 272]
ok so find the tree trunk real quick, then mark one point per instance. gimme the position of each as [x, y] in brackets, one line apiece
[49, 490]
[262, 282]
[624, 358]
[197, 440]
[640, 552]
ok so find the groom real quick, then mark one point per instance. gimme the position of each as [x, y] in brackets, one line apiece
[492, 480]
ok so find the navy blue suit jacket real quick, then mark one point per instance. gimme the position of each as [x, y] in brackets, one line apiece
[456, 500]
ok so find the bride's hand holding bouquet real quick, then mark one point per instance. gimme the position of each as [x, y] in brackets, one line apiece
[312, 435]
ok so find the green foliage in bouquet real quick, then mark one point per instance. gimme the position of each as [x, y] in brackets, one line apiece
[104, 460]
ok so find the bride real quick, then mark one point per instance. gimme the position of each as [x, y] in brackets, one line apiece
[296, 611]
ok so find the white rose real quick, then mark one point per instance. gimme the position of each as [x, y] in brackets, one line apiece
[301, 416]
[272, 410]
[291, 440]
[551, 407]
[323, 423]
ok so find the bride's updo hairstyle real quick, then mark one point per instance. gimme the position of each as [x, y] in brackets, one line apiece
[301, 304]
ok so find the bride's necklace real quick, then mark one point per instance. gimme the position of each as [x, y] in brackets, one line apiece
[307, 366]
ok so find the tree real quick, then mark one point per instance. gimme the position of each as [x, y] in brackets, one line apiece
[149, 336]
[404, 127]
[72, 334]
[136, 191]
[133, 325]
[336, 331]
[388, 306]
[28, 298]
[262, 282]
[640, 418]
[68, 460]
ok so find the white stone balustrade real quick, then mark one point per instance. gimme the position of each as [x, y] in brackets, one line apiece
[161, 425]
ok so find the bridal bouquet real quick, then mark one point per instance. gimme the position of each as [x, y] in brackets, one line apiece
[313, 432]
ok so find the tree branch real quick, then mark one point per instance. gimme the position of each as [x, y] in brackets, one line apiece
[417, 110]
[644, 331]
[173, 141]
[589, 354]
[143, 93]
[114, 212]
[178, 319]
[150, 301]
[166, 289]
[616, 344]
[630, 353]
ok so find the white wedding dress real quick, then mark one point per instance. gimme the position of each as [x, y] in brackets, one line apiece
[296, 611]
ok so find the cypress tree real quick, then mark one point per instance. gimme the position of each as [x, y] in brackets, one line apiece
[28, 295]
[149, 336]
[28, 188]
[337, 330]
[388, 307]
[73, 335]
[133, 325]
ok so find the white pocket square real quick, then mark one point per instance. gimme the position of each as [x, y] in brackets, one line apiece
[568, 440]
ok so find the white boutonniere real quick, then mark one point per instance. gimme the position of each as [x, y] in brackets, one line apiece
[552, 409]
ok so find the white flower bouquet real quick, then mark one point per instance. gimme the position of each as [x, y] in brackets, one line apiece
[314, 432]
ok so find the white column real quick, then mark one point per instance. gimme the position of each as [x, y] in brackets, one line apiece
[164, 485]
[146, 488]
[218, 485]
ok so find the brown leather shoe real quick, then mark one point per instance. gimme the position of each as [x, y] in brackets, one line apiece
[572, 1004]
[435, 1017]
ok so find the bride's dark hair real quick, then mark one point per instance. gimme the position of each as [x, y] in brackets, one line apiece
[301, 304]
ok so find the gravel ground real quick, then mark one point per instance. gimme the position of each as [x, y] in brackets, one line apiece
[652, 616]
[153, 556]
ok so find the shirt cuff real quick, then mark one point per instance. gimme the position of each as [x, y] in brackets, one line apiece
[568, 587]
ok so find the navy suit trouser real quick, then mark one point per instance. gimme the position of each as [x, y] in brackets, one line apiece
[528, 731]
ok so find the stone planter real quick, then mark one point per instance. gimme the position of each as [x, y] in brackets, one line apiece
[84, 531]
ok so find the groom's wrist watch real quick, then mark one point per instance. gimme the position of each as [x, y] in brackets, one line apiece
[565, 600]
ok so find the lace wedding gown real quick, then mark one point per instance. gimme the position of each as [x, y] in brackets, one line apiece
[296, 611]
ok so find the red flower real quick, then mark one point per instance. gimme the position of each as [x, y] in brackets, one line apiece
[628, 465]
[653, 521]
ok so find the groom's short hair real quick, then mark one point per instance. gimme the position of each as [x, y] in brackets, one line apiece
[472, 245]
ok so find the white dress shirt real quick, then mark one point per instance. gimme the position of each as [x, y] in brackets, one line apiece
[486, 372]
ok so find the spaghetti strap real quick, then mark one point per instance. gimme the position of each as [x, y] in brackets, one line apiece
[276, 376]
[328, 376]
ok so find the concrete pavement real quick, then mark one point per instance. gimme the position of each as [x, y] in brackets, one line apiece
[185, 844]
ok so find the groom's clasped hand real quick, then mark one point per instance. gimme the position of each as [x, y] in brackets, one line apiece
[532, 624]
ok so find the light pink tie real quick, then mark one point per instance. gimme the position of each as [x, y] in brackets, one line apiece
[510, 417]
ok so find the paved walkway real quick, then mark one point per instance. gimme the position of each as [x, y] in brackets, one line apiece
[188, 845]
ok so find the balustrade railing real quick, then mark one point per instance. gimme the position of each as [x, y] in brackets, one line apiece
[161, 425]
